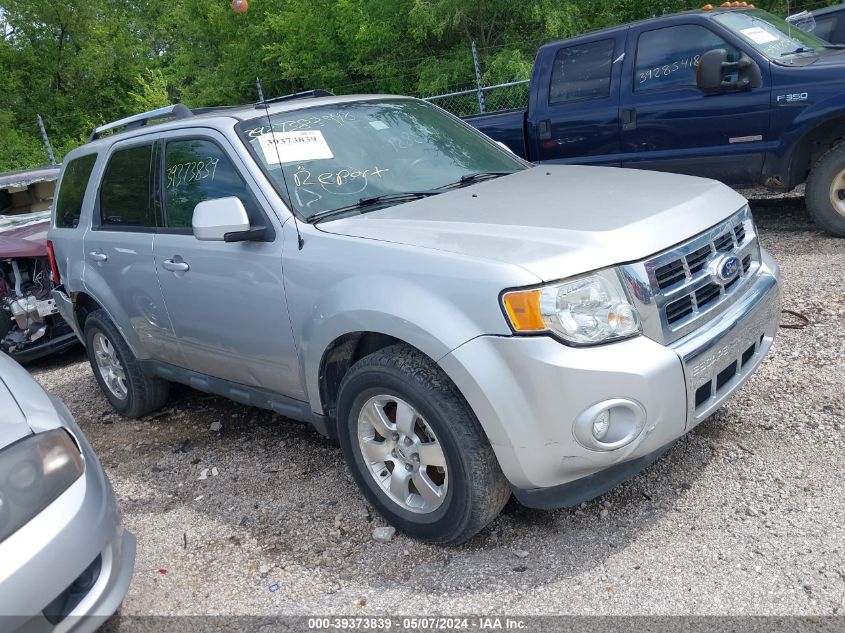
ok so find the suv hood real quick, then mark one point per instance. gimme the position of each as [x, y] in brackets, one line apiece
[555, 221]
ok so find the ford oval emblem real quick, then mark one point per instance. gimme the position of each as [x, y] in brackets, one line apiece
[728, 268]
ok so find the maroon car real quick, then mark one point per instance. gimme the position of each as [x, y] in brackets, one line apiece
[30, 325]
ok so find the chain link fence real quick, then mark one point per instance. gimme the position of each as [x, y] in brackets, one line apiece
[508, 96]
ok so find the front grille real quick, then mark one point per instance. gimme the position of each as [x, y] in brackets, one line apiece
[724, 242]
[678, 290]
[670, 273]
[697, 259]
[706, 294]
[679, 309]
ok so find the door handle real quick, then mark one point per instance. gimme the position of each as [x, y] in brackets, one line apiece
[174, 266]
[629, 119]
[98, 257]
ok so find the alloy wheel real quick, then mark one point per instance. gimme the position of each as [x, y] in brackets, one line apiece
[111, 370]
[402, 454]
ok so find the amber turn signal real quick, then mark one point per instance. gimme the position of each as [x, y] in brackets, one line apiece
[523, 308]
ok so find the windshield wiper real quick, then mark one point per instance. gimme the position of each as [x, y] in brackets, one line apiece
[476, 176]
[402, 196]
[807, 49]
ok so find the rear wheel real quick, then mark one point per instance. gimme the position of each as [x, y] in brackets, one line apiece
[415, 448]
[825, 191]
[128, 389]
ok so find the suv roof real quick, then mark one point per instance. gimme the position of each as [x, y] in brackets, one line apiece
[179, 116]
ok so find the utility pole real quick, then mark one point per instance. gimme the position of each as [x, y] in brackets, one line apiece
[46, 140]
[478, 87]
[260, 89]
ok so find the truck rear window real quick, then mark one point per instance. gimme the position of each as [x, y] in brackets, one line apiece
[582, 72]
[72, 191]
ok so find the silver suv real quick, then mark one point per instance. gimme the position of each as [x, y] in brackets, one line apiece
[466, 324]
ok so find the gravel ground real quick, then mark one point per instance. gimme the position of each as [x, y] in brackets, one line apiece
[745, 515]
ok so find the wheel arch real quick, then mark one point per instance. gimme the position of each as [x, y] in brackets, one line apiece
[83, 305]
[343, 352]
[813, 144]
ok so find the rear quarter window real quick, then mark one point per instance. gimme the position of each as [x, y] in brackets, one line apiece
[72, 192]
[582, 72]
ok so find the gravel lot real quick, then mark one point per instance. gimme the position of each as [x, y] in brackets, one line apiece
[745, 515]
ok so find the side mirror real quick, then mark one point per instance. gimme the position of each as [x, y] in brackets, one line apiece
[713, 70]
[504, 147]
[221, 220]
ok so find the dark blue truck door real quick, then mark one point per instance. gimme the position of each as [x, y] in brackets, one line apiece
[669, 125]
[574, 110]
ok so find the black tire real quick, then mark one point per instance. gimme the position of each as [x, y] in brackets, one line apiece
[144, 393]
[477, 489]
[818, 195]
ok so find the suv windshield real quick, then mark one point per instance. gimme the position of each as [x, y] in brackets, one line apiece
[337, 155]
[769, 34]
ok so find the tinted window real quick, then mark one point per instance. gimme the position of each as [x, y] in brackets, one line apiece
[825, 28]
[126, 192]
[74, 183]
[668, 58]
[582, 72]
[196, 171]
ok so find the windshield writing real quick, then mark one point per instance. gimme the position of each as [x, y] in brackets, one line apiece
[332, 156]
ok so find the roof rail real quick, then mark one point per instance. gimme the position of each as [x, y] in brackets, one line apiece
[305, 94]
[177, 111]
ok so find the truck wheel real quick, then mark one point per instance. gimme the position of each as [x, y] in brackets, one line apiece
[825, 191]
[415, 448]
[128, 389]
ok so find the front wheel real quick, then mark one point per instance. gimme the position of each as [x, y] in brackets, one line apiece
[415, 448]
[825, 191]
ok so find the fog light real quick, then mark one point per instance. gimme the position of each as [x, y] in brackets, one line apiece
[601, 424]
[610, 424]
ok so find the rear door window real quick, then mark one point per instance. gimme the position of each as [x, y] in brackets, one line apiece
[667, 58]
[196, 170]
[72, 192]
[126, 193]
[582, 72]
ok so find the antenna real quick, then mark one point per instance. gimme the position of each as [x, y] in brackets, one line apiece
[263, 102]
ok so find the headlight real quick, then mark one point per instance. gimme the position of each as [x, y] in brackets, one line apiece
[33, 473]
[582, 311]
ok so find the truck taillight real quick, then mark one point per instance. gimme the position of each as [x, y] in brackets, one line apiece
[54, 268]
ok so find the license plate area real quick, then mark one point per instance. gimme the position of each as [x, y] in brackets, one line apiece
[722, 354]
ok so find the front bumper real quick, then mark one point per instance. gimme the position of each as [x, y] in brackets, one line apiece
[43, 559]
[527, 393]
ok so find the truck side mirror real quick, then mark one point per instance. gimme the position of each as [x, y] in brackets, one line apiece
[221, 220]
[713, 68]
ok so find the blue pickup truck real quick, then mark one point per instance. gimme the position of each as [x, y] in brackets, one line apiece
[734, 94]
